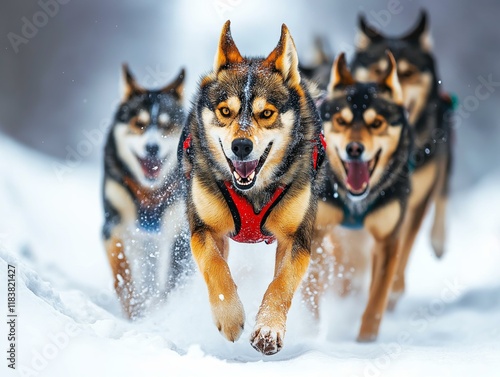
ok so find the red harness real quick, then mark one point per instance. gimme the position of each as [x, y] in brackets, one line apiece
[248, 224]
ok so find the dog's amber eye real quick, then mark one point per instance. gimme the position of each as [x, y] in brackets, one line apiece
[140, 125]
[340, 121]
[225, 112]
[377, 123]
[266, 114]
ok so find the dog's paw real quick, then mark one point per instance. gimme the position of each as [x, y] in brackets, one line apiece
[438, 245]
[229, 317]
[366, 338]
[394, 298]
[368, 332]
[267, 340]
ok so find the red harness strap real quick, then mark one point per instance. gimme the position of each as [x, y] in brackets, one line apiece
[249, 224]
[317, 151]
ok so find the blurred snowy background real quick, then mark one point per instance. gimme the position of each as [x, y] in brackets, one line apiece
[64, 78]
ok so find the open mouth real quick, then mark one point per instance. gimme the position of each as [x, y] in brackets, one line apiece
[245, 172]
[151, 167]
[358, 174]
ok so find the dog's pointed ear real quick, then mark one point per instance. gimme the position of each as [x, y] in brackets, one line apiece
[420, 34]
[130, 86]
[366, 34]
[227, 52]
[391, 79]
[340, 76]
[284, 58]
[176, 87]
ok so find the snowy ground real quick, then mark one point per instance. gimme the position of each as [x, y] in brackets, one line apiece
[69, 324]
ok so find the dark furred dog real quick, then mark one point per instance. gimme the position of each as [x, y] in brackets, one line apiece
[366, 187]
[145, 229]
[252, 153]
[429, 116]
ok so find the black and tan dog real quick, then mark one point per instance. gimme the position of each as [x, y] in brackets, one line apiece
[252, 152]
[430, 121]
[145, 229]
[366, 187]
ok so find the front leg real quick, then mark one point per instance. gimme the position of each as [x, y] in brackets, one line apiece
[322, 256]
[292, 261]
[385, 260]
[210, 253]
[383, 225]
[122, 275]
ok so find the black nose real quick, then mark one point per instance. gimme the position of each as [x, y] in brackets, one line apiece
[355, 149]
[152, 149]
[242, 148]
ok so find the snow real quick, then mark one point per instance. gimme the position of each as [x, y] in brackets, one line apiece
[70, 324]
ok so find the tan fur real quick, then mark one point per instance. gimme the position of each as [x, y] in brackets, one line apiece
[121, 274]
[415, 91]
[256, 118]
[290, 268]
[212, 209]
[322, 255]
[383, 226]
[130, 85]
[227, 309]
[120, 198]
[285, 59]
[328, 217]
[429, 181]
[384, 139]
[346, 115]
[384, 264]
[392, 80]
[289, 214]
[440, 200]
[423, 182]
[369, 116]
[414, 86]
[227, 52]
[340, 74]
[382, 223]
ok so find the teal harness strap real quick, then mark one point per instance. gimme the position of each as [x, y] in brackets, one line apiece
[351, 220]
[411, 165]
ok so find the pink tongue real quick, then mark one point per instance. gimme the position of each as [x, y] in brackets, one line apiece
[358, 174]
[151, 167]
[245, 168]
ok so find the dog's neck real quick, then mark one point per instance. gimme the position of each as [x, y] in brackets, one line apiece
[150, 198]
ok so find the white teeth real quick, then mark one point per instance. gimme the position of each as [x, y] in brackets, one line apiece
[244, 181]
